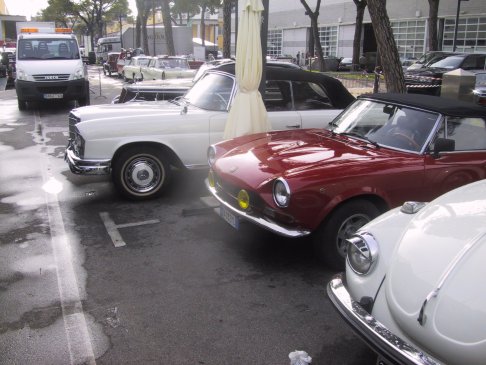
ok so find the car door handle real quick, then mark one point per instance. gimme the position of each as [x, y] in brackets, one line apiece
[295, 126]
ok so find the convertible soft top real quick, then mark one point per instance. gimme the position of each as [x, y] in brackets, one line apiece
[339, 95]
[452, 107]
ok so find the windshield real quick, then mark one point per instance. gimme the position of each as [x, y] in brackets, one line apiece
[212, 92]
[48, 49]
[172, 63]
[387, 125]
[451, 62]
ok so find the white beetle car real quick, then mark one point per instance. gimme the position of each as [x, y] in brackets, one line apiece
[138, 142]
[414, 285]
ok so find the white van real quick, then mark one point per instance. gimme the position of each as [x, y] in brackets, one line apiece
[50, 67]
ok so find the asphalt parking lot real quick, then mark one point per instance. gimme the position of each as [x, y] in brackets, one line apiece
[87, 277]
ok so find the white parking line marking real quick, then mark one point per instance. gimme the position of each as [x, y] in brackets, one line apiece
[112, 228]
[77, 332]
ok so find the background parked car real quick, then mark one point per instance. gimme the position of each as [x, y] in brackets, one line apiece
[132, 71]
[167, 67]
[480, 89]
[346, 64]
[151, 90]
[109, 66]
[413, 288]
[384, 149]
[428, 80]
[428, 58]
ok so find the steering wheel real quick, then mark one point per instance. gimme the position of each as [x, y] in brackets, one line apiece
[406, 138]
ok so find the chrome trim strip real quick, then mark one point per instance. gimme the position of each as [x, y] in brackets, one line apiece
[380, 338]
[259, 221]
[86, 167]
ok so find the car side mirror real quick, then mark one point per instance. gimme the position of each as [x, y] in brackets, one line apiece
[443, 145]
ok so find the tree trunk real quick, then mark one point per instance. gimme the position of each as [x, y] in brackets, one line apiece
[227, 5]
[317, 41]
[144, 32]
[314, 16]
[168, 27]
[138, 33]
[203, 25]
[387, 47]
[432, 26]
[360, 9]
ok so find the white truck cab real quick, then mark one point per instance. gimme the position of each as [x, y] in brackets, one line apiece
[49, 67]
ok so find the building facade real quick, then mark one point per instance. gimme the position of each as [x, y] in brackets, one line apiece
[289, 27]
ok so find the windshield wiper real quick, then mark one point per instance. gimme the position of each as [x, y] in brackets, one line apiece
[360, 136]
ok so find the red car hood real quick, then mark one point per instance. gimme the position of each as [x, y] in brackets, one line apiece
[261, 157]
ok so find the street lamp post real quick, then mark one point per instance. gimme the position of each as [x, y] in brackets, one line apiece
[457, 25]
[121, 30]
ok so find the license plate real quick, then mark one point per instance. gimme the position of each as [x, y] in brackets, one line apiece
[53, 96]
[229, 217]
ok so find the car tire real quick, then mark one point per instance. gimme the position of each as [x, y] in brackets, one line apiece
[329, 238]
[22, 104]
[141, 173]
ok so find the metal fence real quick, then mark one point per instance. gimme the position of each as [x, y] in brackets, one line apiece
[359, 82]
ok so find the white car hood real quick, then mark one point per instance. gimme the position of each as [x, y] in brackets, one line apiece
[435, 255]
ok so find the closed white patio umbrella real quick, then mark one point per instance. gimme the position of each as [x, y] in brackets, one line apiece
[248, 114]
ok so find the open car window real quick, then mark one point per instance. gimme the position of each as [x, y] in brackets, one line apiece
[468, 134]
[388, 125]
[212, 92]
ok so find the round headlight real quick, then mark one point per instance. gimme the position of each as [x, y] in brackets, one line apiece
[243, 199]
[362, 253]
[281, 193]
[211, 155]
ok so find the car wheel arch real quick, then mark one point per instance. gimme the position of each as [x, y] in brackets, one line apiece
[326, 247]
[171, 156]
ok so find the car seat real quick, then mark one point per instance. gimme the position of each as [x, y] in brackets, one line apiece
[63, 50]
[42, 49]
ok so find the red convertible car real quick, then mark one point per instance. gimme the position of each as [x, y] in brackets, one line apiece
[383, 150]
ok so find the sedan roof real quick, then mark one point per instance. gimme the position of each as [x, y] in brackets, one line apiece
[452, 107]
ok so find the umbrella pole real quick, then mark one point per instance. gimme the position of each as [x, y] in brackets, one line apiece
[263, 38]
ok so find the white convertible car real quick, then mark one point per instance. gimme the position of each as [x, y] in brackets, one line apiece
[414, 283]
[139, 142]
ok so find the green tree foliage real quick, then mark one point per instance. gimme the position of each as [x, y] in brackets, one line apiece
[93, 14]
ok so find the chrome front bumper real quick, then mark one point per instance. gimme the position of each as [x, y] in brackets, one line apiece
[391, 347]
[271, 226]
[86, 167]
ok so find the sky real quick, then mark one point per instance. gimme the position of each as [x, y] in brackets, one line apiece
[30, 8]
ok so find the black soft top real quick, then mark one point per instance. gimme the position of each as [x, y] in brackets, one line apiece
[446, 106]
[339, 95]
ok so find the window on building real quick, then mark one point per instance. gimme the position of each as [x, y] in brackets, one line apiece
[274, 42]
[471, 35]
[329, 40]
[410, 37]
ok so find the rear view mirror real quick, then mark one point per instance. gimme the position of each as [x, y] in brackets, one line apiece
[443, 145]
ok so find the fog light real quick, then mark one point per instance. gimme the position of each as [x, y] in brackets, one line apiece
[211, 180]
[243, 199]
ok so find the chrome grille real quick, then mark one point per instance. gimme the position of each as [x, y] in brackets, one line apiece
[73, 120]
[51, 77]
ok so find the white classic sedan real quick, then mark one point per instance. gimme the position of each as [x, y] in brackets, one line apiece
[167, 67]
[414, 283]
[132, 71]
[138, 142]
